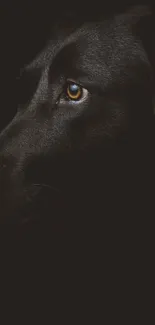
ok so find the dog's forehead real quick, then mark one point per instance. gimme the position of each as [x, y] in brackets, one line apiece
[88, 36]
[108, 36]
[61, 36]
[103, 39]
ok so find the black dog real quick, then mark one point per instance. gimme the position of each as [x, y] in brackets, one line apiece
[84, 118]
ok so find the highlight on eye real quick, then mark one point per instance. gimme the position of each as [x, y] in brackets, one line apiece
[74, 91]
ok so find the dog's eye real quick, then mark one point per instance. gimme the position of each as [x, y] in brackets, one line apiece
[74, 91]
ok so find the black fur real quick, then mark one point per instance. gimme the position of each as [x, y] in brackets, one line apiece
[63, 160]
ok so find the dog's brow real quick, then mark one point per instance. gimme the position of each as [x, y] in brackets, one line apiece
[53, 48]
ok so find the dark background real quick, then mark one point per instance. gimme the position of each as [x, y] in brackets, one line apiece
[24, 28]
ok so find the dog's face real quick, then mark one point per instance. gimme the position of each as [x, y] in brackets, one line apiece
[84, 98]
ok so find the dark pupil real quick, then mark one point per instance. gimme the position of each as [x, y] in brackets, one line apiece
[73, 88]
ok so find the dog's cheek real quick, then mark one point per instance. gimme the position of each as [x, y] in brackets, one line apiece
[102, 121]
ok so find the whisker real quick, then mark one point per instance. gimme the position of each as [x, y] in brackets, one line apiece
[47, 186]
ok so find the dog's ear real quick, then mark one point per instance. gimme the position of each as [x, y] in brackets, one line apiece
[143, 24]
[142, 20]
[145, 28]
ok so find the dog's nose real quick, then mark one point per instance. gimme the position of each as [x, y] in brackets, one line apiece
[6, 170]
[7, 189]
[4, 173]
[3, 163]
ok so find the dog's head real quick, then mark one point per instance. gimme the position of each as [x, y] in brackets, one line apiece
[84, 100]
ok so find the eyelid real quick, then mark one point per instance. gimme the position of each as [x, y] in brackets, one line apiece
[90, 86]
[75, 82]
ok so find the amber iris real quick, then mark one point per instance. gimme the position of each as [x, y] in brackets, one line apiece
[74, 91]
